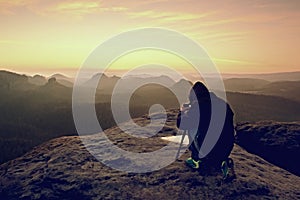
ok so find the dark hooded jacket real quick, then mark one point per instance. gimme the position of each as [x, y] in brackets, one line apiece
[200, 103]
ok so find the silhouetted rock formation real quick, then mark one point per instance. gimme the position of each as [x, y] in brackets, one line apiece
[13, 82]
[37, 80]
[276, 142]
[52, 80]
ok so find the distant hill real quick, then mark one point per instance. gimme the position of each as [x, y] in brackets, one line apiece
[286, 89]
[59, 76]
[32, 114]
[54, 90]
[281, 76]
[37, 80]
[182, 88]
[65, 83]
[107, 84]
[10, 81]
[63, 80]
[151, 94]
[244, 84]
[133, 80]
[41, 80]
[253, 107]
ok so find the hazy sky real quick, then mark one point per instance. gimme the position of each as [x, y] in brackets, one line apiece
[241, 36]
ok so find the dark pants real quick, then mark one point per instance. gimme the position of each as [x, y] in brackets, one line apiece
[219, 153]
[195, 153]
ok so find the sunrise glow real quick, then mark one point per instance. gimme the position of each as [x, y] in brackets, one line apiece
[241, 36]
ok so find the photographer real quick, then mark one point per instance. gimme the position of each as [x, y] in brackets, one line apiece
[188, 119]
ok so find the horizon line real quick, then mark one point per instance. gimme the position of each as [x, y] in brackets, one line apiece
[53, 72]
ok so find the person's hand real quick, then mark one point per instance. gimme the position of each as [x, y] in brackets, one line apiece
[185, 108]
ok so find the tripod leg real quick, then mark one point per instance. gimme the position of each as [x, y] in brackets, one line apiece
[181, 142]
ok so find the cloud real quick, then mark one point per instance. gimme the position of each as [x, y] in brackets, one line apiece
[222, 36]
[83, 7]
[168, 16]
[57, 7]
[77, 7]
[276, 4]
[179, 20]
[8, 7]
[235, 61]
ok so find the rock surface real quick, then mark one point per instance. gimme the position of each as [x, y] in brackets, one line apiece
[63, 169]
[277, 142]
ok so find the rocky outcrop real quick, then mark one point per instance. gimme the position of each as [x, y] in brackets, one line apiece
[63, 169]
[277, 142]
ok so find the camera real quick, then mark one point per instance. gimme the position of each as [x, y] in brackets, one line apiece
[186, 105]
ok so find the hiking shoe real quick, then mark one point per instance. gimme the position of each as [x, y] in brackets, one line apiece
[225, 169]
[192, 163]
[230, 163]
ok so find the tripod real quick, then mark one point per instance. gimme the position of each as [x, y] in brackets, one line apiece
[181, 142]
